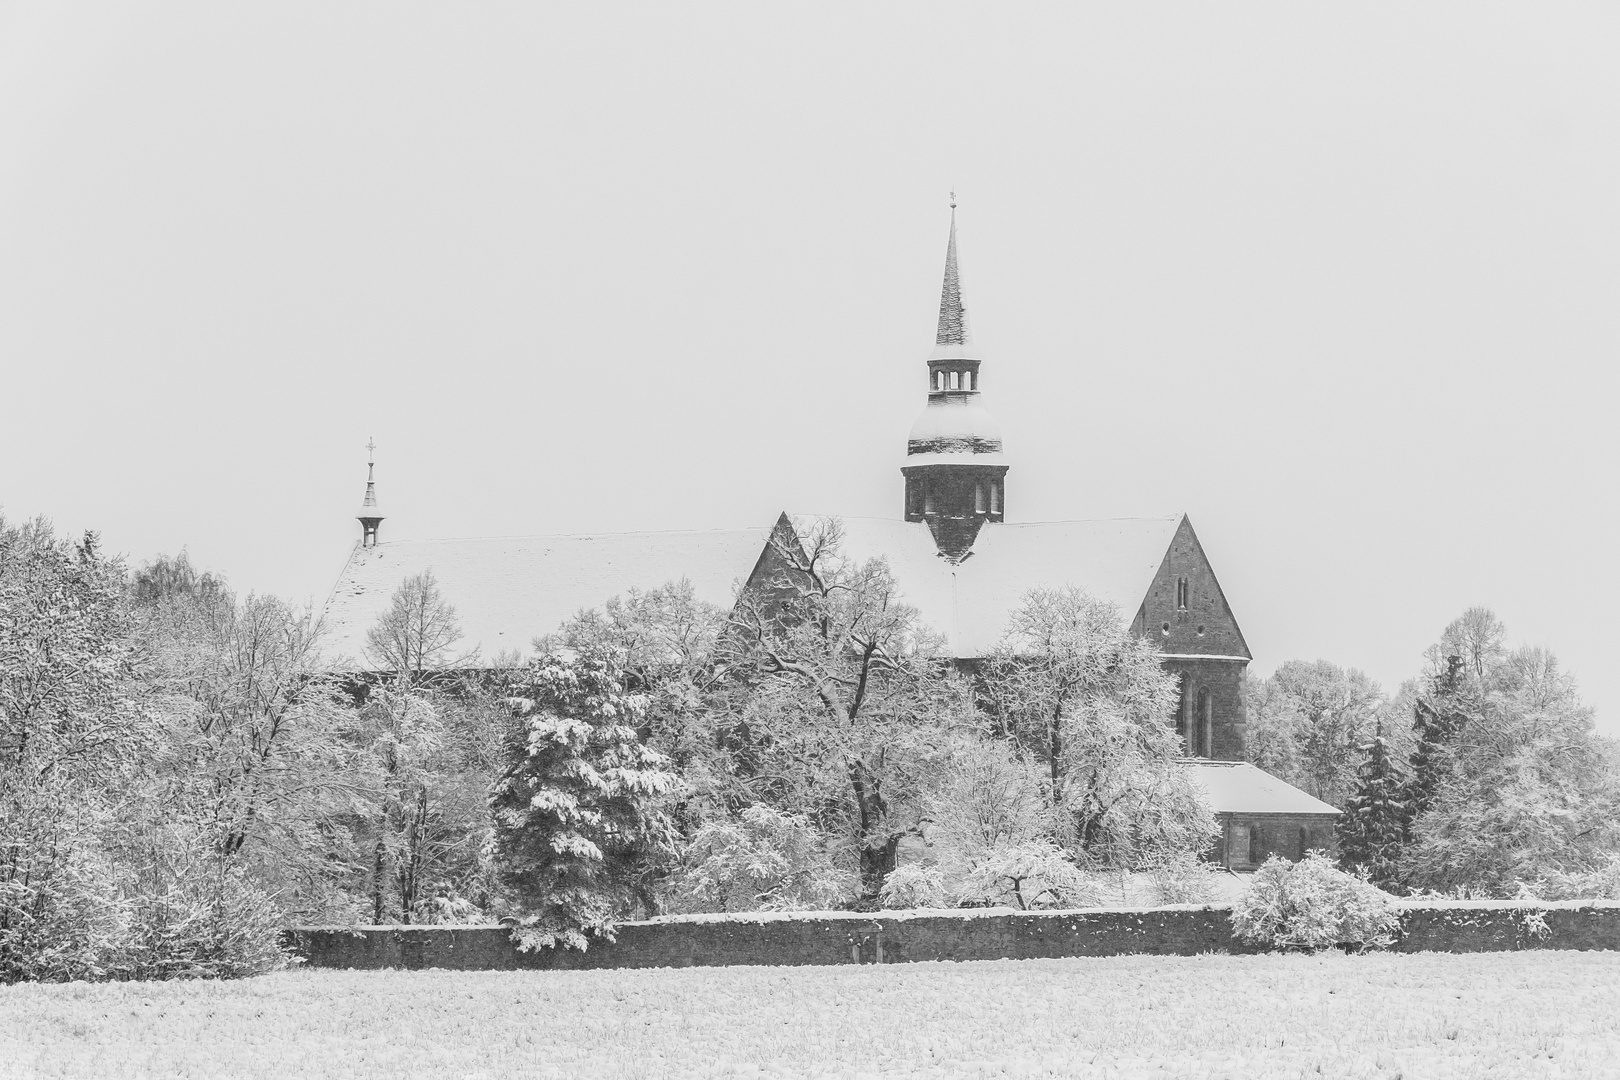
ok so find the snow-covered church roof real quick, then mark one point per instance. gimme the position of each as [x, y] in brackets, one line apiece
[509, 590]
[970, 601]
[1236, 787]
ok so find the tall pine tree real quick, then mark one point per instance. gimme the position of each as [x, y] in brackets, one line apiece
[1437, 720]
[1377, 817]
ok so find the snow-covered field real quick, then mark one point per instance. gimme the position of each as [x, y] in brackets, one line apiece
[1535, 1014]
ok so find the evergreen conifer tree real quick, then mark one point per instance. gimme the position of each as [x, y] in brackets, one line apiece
[580, 804]
[1376, 822]
[1437, 719]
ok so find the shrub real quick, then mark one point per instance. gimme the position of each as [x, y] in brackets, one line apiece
[763, 859]
[1034, 874]
[1312, 904]
[913, 886]
[204, 926]
[444, 906]
[1183, 879]
[1602, 883]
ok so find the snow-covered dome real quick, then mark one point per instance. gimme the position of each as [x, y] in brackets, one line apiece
[955, 425]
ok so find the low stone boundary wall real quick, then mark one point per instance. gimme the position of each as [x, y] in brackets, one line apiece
[892, 937]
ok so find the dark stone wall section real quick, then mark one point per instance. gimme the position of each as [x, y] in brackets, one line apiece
[897, 938]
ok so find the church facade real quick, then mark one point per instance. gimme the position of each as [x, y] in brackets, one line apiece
[955, 552]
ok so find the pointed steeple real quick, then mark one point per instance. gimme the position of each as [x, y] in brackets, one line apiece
[370, 514]
[954, 470]
[952, 315]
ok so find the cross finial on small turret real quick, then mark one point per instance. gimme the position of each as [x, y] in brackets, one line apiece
[370, 516]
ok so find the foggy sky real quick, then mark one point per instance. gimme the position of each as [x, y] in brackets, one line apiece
[1340, 284]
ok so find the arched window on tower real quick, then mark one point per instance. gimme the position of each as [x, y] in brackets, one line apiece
[928, 498]
[973, 377]
[980, 502]
[995, 496]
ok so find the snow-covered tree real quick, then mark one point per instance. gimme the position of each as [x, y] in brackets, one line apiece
[1034, 874]
[111, 864]
[581, 803]
[984, 795]
[72, 733]
[1373, 829]
[1090, 701]
[256, 747]
[1510, 783]
[762, 859]
[1307, 723]
[834, 702]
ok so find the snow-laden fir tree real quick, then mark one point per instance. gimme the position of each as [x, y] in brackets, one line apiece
[1437, 721]
[580, 807]
[1377, 816]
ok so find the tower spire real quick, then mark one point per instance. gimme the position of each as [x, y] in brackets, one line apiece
[954, 469]
[370, 514]
[952, 315]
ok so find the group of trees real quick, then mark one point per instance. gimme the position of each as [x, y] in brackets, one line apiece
[183, 772]
[1507, 788]
[816, 731]
[1482, 777]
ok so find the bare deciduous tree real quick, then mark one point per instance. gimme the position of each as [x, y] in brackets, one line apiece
[414, 638]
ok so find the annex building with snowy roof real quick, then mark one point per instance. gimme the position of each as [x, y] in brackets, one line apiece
[954, 554]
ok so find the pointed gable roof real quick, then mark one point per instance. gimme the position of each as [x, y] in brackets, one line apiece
[509, 590]
[970, 602]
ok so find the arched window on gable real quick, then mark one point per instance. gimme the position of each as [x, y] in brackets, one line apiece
[1181, 594]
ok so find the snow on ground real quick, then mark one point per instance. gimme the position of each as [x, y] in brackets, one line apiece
[1532, 1014]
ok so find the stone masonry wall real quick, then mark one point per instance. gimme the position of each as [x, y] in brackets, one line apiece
[894, 937]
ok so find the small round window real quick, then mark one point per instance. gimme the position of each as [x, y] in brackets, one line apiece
[1165, 629]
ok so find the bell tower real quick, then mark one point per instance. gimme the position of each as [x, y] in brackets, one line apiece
[370, 514]
[955, 474]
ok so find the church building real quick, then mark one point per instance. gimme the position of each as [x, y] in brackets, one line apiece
[956, 553]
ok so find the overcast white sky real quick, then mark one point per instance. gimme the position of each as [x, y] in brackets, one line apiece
[1340, 282]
